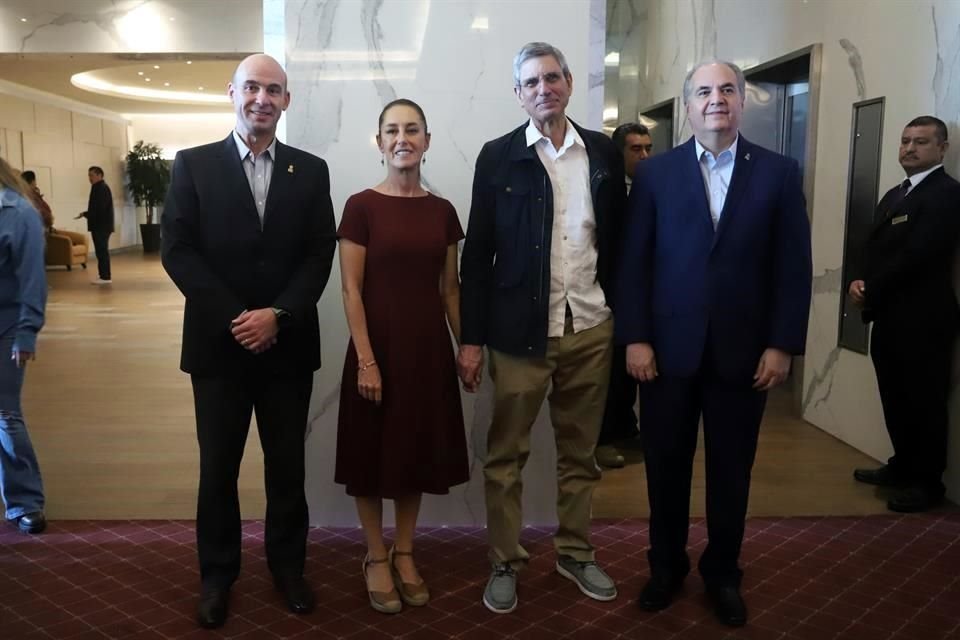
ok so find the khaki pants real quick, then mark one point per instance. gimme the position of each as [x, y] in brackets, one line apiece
[579, 367]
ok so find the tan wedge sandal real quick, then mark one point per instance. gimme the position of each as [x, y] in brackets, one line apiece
[415, 595]
[382, 601]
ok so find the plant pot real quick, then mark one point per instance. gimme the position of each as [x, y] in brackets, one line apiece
[150, 233]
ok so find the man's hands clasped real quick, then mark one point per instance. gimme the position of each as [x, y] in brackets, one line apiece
[255, 330]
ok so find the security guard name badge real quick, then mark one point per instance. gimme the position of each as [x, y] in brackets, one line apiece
[899, 219]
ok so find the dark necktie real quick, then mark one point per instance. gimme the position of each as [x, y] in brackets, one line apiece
[902, 191]
[898, 197]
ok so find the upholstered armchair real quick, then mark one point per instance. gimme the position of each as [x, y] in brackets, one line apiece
[67, 248]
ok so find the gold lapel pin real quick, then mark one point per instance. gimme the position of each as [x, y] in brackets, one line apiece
[290, 168]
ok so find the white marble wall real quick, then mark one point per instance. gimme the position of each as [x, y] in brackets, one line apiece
[908, 52]
[108, 26]
[345, 60]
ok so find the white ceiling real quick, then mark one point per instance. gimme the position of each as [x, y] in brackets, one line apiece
[43, 43]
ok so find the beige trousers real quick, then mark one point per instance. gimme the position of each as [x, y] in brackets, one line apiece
[578, 365]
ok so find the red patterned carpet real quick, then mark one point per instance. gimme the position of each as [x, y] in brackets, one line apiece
[816, 578]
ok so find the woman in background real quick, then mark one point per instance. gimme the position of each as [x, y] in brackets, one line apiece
[400, 431]
[23, 294]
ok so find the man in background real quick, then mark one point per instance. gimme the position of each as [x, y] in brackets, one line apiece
[906, 290]
[99, 215]
[36, 198]
[619, 428]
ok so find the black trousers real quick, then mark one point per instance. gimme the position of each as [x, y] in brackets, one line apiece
[619, 420]
[101, 247]
[671, 408]
[223, 407]
[913, 375]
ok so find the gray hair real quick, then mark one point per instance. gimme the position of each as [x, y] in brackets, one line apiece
[537, 50]
[737, 71]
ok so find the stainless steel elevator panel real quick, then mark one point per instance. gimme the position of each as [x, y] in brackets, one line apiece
[660, 119]
[762, 121]
[866, 135]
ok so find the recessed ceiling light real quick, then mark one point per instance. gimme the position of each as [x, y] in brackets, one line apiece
[23, 19]
[166, 84]
[199, 88]
[189, 61]
[147, 79]
[139, 73]
[156, 66]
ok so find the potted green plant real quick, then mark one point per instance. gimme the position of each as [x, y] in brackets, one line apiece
[148, 177]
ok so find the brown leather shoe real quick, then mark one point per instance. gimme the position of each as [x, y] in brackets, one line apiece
[608, 457]
[382, 601]
[415, 595]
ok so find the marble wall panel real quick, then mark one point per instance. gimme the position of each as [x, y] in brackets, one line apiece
[106, 26]
[345, 60]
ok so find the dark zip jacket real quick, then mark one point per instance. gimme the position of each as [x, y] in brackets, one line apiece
[505, 267]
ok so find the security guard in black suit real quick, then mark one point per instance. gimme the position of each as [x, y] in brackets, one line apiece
[906, 290]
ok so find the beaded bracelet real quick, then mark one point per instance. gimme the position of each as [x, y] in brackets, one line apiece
[363, 367]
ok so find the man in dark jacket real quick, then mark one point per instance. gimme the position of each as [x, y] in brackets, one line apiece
[99, 215]
[535, 271]
[248, 237]
[906, 290]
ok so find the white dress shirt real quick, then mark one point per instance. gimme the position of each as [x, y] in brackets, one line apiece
[259, 170]
[716, 172]
[573, 253]
[917, 178]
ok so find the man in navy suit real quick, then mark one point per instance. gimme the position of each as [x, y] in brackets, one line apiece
[713, 295]
[248, 237]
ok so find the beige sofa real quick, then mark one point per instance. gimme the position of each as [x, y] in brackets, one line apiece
[67, 248]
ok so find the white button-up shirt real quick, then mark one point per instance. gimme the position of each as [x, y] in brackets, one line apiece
[259, 170]
[573, 253]
[917, 178]
[716, 172]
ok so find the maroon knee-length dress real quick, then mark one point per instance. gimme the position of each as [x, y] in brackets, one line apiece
[414, 441]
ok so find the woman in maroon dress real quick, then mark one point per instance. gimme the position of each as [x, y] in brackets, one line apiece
[400, 431]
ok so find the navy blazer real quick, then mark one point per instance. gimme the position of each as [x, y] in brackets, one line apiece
[223, 261]
[739, 290]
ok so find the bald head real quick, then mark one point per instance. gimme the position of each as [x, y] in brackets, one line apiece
[259, 62]
[259, 94]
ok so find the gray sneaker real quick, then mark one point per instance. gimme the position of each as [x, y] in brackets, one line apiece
[590, 578]
[500, 596]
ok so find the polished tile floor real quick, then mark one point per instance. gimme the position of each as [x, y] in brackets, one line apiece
[873, 577]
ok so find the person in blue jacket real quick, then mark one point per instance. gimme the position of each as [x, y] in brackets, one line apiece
[712, 304]
[23, 295]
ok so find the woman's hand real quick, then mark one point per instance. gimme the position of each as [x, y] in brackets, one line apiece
[369, 383]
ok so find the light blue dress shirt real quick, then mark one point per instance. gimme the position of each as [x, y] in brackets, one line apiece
[716, 172]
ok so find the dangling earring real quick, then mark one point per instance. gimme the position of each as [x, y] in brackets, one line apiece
[424, 161]
[381, 161]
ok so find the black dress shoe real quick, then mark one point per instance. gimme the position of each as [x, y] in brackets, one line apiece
[882, 477]
[212, 610]
[914, 500]
[728, 605]
[658, 593]
[32, 522]
[296, 593]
